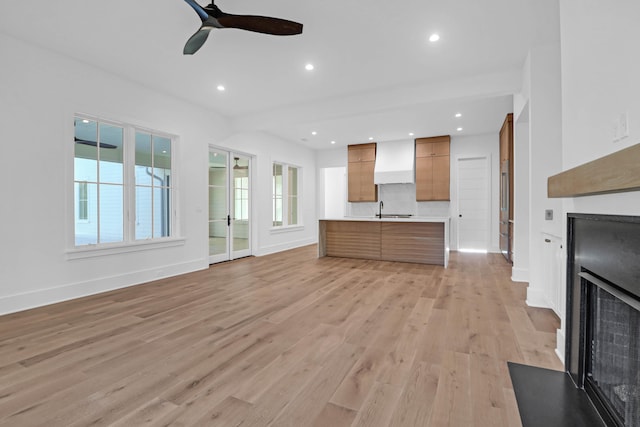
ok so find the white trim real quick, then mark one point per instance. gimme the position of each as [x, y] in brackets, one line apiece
[520, 274]
[66, 292]
[286, 229]
[268, 250]
[536, 298]
[90, 251]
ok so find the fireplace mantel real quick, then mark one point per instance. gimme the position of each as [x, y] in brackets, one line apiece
[617, 172]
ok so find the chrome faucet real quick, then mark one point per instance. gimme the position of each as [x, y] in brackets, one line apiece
[379, 215]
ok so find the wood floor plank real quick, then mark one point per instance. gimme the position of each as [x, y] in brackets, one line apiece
[284, 339]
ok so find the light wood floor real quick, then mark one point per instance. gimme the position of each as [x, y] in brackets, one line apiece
[282, 340]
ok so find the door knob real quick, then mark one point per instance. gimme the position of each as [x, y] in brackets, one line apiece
[460, 216]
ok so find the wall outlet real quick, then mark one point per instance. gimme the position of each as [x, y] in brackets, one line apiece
[548, 214]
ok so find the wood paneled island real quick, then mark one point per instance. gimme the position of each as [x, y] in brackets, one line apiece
[418, 239]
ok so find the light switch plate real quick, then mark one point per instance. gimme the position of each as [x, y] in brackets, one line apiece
[548, 214]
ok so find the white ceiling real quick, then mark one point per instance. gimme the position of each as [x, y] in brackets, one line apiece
[376, 74]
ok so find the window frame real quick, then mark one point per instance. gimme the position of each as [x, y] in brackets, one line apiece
[285, 197]
[129, 242]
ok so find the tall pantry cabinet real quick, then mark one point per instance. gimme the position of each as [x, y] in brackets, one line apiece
[506, 188]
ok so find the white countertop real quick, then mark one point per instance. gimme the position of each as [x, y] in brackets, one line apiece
[444, 219]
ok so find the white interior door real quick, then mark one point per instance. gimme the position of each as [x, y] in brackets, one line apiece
[229, 206]
[473, 204]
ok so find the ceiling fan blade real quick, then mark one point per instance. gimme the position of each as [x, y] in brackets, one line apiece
[199, 10]
[260, 24]
[196, 41]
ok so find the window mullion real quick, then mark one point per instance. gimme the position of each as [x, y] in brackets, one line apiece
[129, 184]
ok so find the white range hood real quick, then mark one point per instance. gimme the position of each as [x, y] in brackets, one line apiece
[395, 162]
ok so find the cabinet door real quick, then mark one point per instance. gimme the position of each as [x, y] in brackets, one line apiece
[423, 148]
[441, 178]
[368, 190]
[354, 176]
[441, 148]
[424, 178]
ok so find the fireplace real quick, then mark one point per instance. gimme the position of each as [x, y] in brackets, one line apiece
[603, 314]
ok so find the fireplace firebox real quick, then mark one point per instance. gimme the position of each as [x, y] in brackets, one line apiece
[603, 314]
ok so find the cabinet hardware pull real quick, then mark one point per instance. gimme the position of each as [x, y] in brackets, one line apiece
[547, 240]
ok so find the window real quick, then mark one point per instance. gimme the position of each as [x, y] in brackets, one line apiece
[104, 159]
[285, 195]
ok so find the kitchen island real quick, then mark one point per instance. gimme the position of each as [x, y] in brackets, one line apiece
[422, 240]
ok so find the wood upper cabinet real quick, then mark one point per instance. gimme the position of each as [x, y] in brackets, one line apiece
[433, 168]
[362, 161]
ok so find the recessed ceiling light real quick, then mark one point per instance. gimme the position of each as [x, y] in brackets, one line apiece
[410, 133]
[221, 88]
[314, 133]
[434, 37]
[370, 138]
[458, 115]
[459, 129]
[309, 67]
[333, 142]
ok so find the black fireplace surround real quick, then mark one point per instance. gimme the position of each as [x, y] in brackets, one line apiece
[602, 350]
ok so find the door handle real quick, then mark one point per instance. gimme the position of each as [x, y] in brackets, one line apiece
[460, 216]
[228, 220]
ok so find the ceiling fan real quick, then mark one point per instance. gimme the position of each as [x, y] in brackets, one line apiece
[213, 17]
[237, 166]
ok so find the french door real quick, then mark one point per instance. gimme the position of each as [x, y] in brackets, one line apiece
[229, 205]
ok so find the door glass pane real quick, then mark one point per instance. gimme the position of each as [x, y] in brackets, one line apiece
[241, 203]
[217, 237]
[217, 203]
[218, 200]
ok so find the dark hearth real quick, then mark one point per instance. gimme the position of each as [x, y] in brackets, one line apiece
[602, 349]
[603, 314]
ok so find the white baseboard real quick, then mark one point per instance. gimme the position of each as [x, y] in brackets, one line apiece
[535, 298]
[520, 274]
[42, 297]
[268, 250]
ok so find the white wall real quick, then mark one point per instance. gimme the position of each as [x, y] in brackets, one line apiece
[600, 69]
[39, 93]
[545, 159]
[600, 80]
